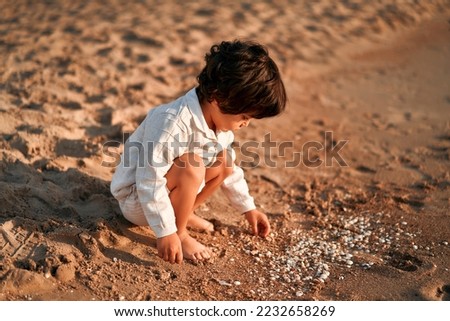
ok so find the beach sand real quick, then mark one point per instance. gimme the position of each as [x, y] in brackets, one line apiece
[364, 216]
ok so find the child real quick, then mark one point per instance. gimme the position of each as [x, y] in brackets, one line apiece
[181, 153]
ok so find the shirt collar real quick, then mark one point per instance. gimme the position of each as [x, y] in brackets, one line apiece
[194, 106]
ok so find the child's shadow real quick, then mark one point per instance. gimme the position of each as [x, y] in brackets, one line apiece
[141, 234]
[40, 203]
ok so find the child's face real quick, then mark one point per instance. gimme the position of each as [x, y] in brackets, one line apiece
[225, 122]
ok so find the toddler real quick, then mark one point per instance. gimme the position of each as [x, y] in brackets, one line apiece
[181, 153]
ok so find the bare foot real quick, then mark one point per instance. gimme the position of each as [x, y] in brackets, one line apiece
[200, 224]
[192, 249]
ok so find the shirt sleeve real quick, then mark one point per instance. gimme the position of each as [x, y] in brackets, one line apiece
[236, 189]
[162, 144]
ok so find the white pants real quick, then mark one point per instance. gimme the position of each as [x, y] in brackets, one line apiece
[132, 209]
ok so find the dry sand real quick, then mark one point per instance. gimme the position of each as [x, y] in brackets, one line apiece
[77, 74]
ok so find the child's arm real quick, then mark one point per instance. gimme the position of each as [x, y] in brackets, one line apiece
[236, 189]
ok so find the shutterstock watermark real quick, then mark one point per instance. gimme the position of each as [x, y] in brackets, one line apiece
[267, 153]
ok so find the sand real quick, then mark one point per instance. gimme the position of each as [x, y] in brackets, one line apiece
[367, 83]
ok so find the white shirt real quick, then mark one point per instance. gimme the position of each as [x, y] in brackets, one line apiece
[168, 132]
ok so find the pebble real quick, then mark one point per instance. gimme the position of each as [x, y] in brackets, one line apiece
[323, 276]
[415, 247]
[310, 256]
[221, 282]
[237, 283]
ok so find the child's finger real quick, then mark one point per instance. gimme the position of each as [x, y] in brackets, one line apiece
[179, 257]
[254, 226]
[264, 229]
[172, 257]
[165, 256]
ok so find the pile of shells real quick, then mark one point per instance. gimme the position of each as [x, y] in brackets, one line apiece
[357, 241]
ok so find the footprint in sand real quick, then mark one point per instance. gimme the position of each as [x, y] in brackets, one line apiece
[409, 263]
[446, 292]
[17, 242]
[434, 291]
[414, 202]
[132, 37]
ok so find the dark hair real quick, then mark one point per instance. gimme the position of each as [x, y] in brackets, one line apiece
[243, 79]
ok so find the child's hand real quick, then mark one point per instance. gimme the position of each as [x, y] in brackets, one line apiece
[259, 222]
[169, 248]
